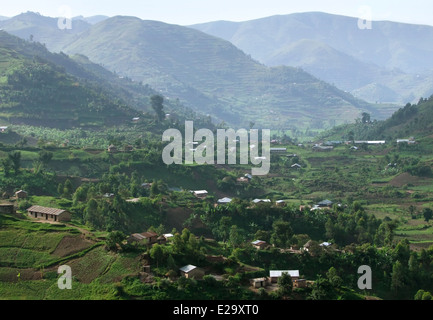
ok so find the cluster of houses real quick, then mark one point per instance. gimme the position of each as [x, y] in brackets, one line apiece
[273, 277]
[197, 273]
[328, 145]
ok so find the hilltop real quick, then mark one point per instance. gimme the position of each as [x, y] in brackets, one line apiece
[210, 75]
[334, 49]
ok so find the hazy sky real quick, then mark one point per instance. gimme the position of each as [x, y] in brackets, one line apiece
[185, 12]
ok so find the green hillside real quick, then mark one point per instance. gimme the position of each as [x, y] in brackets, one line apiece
[37, 92]
[413, 120]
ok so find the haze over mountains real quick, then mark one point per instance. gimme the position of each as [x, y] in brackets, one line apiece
[212, 76]
[391, 62]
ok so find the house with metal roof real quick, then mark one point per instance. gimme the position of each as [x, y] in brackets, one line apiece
[201, 194]
[145, 238]
[274, 275]
[190, 271]
[259, 244]
[256, 201]
[49, 214]
[225, 201]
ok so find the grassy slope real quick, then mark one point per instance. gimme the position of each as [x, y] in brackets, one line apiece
[211, 74]
[34, 91]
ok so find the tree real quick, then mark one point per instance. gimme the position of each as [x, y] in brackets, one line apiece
[366, 118]
[7, 166]
[334, 278]
[91, 212]
[322, 290]
[428, 214]
[154, 189]
[157, 253]
[157, 102]
[397, 277]
[235, 238]
[224, 228]
[45, 157]
[282, 234]
[351, 136]
[285, 285]
[68, 189]
[114, 240]
[15, 158]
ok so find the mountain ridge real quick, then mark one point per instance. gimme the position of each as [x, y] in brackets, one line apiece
[176, 59]
[399, 50]
[208, 74]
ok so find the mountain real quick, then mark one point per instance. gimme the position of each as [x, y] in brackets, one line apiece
[335, 49]
[2, 18]
[38, 92]
[38, 28]
[213, 76]
[92, 19]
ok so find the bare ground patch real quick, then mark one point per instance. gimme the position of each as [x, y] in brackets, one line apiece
[70, 245]
[405, 179]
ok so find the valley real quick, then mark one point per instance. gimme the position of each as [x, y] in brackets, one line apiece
[83, 182]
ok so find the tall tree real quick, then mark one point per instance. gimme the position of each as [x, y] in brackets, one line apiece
[428, 214]
[285, 285]
[157, 253]
[366, 118]
[15, 158]
[157, 103]
[398, 278]
[7, 166]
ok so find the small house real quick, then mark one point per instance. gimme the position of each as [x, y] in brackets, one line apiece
[112, 149]
[49, 214]
[146, 185]
[296, 166]
[325, 204]
[145, 238]
[224, 201]
[161, 240]
[280, 203]
[192, 272]
[259, 283]
[248, 176]
[109, 195]
[21, 194]
[168, 236]
[129, 148]
[201, 194]
[259, 244]
[299, 283]
[243, 180]
[257, 201]
[325, 244]
[7, 208]
[274, 275]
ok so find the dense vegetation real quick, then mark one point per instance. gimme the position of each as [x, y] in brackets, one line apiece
[380, 214]
[373, 222]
